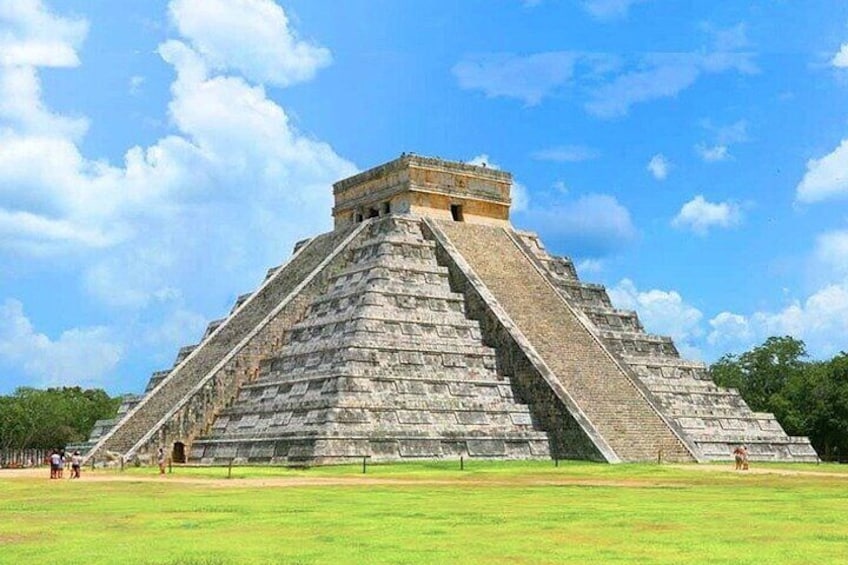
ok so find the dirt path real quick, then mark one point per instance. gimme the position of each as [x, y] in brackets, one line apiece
[364, 480]
[754, 470]
[352, 480]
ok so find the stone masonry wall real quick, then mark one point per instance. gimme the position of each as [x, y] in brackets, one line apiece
[143, 423]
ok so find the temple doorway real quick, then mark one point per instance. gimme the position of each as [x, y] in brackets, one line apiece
[178, 454]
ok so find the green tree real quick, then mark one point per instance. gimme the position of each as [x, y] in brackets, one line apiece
[51, 418]
[808, 398]
[768, 368]
[825, 405]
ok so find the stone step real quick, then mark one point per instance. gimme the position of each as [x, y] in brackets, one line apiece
[676, 387]
[603, 391]
[414, 250]
[760, 450]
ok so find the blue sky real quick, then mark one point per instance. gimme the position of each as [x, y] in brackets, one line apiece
[156, 157]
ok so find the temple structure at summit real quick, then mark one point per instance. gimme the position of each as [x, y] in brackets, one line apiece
[426, 326]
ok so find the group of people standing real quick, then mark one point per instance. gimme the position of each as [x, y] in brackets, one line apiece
[58, 458]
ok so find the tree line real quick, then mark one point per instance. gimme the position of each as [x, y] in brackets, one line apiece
[51, 418]
[808, 398]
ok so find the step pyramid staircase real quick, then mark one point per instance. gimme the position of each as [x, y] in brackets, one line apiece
[713, 418]
[425, 326]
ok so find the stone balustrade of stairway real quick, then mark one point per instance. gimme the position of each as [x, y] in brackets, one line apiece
[613, 404]
[716, 419]
[169, 400]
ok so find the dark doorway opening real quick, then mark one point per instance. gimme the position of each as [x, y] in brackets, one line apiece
[373, 212]
[386, 208]
[178, 455]
[456, 212]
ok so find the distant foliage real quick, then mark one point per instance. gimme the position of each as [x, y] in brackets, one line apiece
[808, 398]
[33, 418]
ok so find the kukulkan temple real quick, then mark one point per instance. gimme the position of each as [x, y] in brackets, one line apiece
[426, 326]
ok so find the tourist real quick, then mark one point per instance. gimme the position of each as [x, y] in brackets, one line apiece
[744, 458]
[739, 456]
[160, 457]
[54, 464]
[76, 461]
[61, 464]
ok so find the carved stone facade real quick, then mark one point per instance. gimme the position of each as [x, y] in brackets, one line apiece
[425, 326]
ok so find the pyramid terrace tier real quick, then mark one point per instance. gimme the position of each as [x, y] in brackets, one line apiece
[638, 343]
[468, 386]
[797, 449]
[613, 319]
[380, 319]
[356, 419]
[558, 266]
[584, 294]
[383, 334]
[330, 356]
[335, 450]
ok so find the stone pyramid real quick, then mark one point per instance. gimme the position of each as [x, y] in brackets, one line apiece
[425, 326]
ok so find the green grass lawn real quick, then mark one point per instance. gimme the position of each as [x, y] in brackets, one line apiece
[431, 513]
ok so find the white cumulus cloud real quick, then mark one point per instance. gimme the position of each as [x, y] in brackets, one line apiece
[840, 60]
[826, 177]
[80, 356]
[219, 200]
[820, 320]
[713, 153]
[33, 36]
[659, 166]
[252, 37]
[700, 215]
